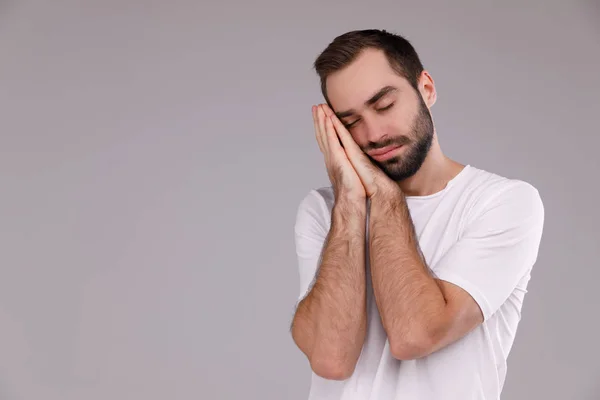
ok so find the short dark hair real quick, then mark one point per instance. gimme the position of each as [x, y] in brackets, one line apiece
[345, 48]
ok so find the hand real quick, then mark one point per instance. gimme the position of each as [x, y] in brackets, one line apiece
[343, 177]
[374, 180]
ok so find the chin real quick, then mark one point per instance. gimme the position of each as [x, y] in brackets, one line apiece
[397, 170]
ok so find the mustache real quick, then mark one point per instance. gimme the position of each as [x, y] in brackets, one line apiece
[398, 141]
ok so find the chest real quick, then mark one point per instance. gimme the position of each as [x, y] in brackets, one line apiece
[438, 224]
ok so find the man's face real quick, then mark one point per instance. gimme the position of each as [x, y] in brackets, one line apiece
[406, 127]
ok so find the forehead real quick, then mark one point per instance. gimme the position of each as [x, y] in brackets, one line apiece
[353, 85]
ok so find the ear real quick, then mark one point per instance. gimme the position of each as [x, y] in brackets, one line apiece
[427, 89]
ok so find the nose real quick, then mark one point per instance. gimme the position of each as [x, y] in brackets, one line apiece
[375, 129]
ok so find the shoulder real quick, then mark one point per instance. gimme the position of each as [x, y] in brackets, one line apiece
[318, 197]
[504, 197]
[314, 210]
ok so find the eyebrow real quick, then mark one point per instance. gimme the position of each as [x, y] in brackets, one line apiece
[382, 92]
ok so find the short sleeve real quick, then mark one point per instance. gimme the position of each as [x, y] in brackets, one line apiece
[497, 248]
[310, 231]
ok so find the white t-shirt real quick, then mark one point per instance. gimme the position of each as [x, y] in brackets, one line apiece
[481, 232]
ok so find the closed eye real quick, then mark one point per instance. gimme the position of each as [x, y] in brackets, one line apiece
[386, 107]
[348, 126]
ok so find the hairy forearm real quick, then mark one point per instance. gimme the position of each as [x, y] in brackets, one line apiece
[330, 323]
[407, 295]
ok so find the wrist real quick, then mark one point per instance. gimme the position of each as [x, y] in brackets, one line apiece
[350, 199]
[389, 197]
[347, 207]
[388, 194]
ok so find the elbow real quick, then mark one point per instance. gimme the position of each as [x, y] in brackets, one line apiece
[408, 352]
[414, 347]
[330, 370]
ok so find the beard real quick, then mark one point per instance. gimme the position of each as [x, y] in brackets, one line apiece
[405, 165]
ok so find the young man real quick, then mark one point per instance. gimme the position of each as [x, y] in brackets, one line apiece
[413, 267]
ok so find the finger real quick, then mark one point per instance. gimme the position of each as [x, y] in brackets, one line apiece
[333, 142]
[345, 138]
[332, 139]
[321, 124]
[321, 121]
[329, 113]
[362, 165]
[318, 134]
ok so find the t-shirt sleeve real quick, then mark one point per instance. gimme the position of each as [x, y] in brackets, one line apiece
[497, 248]
[310, 231]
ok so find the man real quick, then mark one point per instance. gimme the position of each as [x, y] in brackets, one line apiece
[413, 267]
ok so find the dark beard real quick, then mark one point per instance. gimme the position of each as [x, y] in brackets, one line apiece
[406, 165]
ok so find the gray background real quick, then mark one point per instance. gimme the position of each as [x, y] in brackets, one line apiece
[153, 154]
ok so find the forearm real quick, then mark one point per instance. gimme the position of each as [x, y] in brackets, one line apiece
[407, 295]
[331, 321]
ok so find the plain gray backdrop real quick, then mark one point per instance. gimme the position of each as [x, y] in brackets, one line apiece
[153, 155]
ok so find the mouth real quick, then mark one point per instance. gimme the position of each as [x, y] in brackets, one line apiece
[385, 153]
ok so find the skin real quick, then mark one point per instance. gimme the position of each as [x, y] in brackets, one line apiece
[350, 88]
[419, 313]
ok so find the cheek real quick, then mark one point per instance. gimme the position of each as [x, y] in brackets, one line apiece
[395, 123]
[403, 122]
[359, 136]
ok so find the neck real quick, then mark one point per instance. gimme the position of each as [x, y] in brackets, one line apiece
[433, 176]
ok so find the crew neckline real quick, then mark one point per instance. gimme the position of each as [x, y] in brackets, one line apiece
[450, 183]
